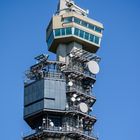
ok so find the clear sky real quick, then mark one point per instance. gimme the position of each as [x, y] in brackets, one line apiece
[22, 37]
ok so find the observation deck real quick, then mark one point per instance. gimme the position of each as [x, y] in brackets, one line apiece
[72, 27]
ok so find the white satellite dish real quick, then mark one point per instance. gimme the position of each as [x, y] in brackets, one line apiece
[78, 99]
[91, 109]
[83, 107]
[93, 67]
[71, 55]
[60, 128]
[51, 124]
[92, 100]
[73, 99]
[70, 83]
[74, 95]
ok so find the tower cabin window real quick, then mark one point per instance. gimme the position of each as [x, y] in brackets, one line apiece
[82, 23]
[68, 31]
[67, 19]
[97, 29]
[77, 32]
[57, 32]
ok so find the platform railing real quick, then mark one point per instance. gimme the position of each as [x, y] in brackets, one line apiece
[75, 88]
[80, 70]
[76, 109]
[52, 74]
[64, 130]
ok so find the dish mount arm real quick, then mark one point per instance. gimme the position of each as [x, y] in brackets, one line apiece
[70, 4]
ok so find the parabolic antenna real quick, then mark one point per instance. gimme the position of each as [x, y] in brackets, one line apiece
[78, 99]
[93, 67]
[51, 124]
[74, 95]
[71, 55]
[83, 107]
[73, 99]
[70, 83]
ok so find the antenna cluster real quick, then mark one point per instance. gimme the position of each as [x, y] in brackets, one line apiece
[58, 94]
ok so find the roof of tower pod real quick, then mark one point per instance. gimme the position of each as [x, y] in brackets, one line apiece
[65, 6]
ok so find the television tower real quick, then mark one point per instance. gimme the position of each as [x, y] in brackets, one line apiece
[58, 96]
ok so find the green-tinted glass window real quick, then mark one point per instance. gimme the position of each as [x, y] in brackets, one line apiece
[96, 40]
[68, 19]
[91, 38]
[81, 33]
[76, 20]
[92, 27]
[57, 32]
[63, 31]
[97, 29]
[68, 31]
[86, 36]
[76, 32]
[50, 39]
[84, 23]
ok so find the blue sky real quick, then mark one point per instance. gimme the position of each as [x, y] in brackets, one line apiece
[22, 37]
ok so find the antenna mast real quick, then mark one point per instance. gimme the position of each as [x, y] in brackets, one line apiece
[69, 5]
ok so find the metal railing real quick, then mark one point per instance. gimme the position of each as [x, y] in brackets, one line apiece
[56, 75]
[63, 130]
[76, 109]
[80, 71]
[79, 90]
